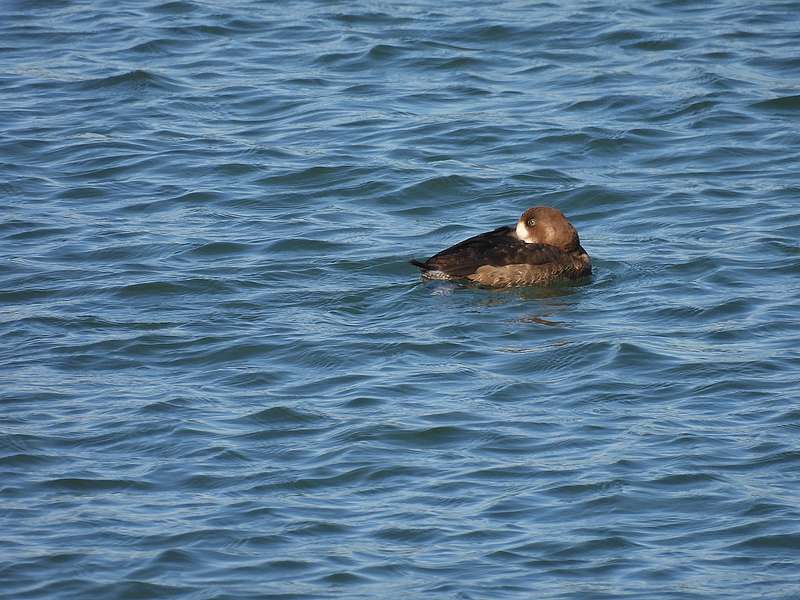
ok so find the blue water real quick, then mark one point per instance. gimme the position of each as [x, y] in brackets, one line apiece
[221, 378]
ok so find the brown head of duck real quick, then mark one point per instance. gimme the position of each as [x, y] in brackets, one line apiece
[547, 225]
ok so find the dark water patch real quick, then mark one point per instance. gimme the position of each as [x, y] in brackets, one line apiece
[785, 543]
[305, 246]
[155, 289]
[26, 460]
[314, 176]
[545, 176]
[218, 249]
[788, 104]
[169, 202]
[343, 578]
[177, 7]
[84, 192]
[135, 80]
[456, 64]
[333, 59]
[191, 32]
[139, 589]
[786, 66]
[686, 108]
[89, 486]
[618, 36]
[370, 18]
[38, 233]
[435, 187]
[281, 415]
[386, 52]
[157, 47]
[660, 45]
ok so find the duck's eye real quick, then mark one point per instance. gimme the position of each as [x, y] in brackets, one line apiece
[531, 222]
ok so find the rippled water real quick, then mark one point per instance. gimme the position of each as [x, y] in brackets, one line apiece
[222, 379]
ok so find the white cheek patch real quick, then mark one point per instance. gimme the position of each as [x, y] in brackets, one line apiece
[522, 232]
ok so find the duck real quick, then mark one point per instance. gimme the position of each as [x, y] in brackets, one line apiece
[542, 248]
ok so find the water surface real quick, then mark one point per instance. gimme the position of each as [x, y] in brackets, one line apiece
[220, 377]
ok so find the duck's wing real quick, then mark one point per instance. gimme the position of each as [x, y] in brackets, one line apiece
[497, 248]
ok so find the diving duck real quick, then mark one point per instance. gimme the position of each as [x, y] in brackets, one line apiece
[542, 248]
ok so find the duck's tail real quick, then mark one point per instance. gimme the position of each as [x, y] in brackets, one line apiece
[421, 265]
